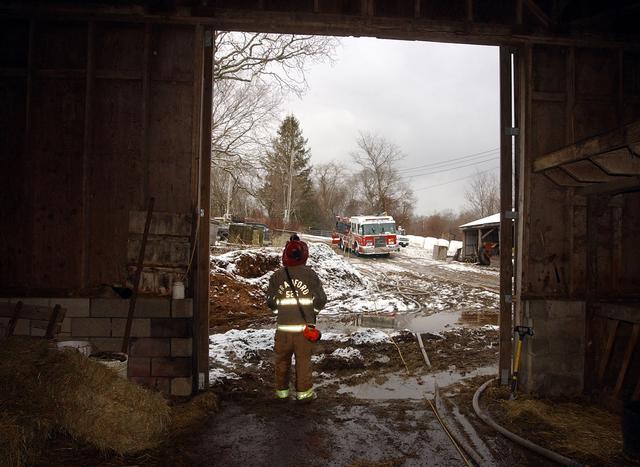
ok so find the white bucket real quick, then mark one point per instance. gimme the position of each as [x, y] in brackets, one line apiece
[117, 361]
[177, 292]
[84, 347]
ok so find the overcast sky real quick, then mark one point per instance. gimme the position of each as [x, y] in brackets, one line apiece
[437, 102]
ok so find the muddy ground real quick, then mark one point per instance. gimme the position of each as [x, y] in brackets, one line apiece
[373, 398]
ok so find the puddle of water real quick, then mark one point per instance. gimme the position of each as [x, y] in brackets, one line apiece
[398, 386]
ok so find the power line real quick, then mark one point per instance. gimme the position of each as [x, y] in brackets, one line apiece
[492, 158]
[457, 179]
[449, 161]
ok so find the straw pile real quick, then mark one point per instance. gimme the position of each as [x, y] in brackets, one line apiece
[572, 428]
[43, 389]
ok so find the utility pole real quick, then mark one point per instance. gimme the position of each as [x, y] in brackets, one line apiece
[227, 214]
[287, 210]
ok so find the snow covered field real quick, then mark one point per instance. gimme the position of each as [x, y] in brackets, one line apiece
[353, 286]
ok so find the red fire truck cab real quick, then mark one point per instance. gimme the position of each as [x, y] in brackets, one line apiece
[366, 235]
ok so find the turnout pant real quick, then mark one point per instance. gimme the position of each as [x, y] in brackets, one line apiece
[287, 344]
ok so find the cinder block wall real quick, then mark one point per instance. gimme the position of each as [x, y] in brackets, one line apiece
[161, 344]
[553, 359]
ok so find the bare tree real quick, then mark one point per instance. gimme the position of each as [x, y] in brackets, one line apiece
[483, 195]
[252, 74]
[332, 191]
[278, 59]
[378, 180]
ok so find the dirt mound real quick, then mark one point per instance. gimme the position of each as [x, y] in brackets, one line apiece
[249, 264]
[235, 304]
[252, 266]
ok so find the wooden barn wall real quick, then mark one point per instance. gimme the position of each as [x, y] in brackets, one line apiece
[97, 116]
[571, 246]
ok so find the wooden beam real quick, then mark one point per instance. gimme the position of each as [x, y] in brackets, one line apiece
[144, 131]
[606, 354]
[631, 345]
[562, 178]
[538, 13]
[587, 172]
[87, 149]
[506, 205]
[615, 139]
[297, 22]
[618, 162]
[201, 302]
[625, 184]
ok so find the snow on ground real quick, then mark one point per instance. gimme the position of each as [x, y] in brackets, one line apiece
[231, 353]
[469, 267]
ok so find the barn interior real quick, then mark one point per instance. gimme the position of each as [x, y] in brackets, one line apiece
[108, 105]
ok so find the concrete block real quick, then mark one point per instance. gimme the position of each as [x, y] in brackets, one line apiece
[139, 367]
[91, 327]
[109, 307]
[538, 310]
[33, 301]
[170, 327]
[150, 347]
[182, 308]
[66, 325]
[181, 386]
[23, 328]
[153, 308]
[537, 346]
[565, 309]
[140, 327]
[171, 367]
[76, 307]
[106, 344]
[162, 385]
[38, 332]
[181, 347]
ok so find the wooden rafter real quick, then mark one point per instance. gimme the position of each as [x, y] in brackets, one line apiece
[620, 138]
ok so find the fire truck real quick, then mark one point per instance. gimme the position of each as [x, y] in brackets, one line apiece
[366, 235]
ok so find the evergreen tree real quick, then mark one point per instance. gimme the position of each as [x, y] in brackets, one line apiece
[288, 161]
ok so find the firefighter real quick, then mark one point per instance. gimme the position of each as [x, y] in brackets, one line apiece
[296, 309]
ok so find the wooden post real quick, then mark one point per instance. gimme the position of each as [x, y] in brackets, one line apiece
[627, 358]
[506, 205]
[87, 149]
[136, 279]
[53, 321]
[202, 271]
[11, 326]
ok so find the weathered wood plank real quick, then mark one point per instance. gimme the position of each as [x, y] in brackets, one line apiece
[626, 184]
[607, 142]
[506, 205]
[562, 178]
[35, 312]
[618, 162]
[586, 171]
[631, 345]
[612, 326]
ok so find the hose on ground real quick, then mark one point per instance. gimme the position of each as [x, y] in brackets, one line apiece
[554, 456]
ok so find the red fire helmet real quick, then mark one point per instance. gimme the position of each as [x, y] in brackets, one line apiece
[295, 253]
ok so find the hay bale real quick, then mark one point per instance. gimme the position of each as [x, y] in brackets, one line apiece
[15, 438]
[71, 393]
[193, 412]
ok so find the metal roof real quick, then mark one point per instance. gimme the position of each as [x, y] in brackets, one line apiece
[493, 220]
